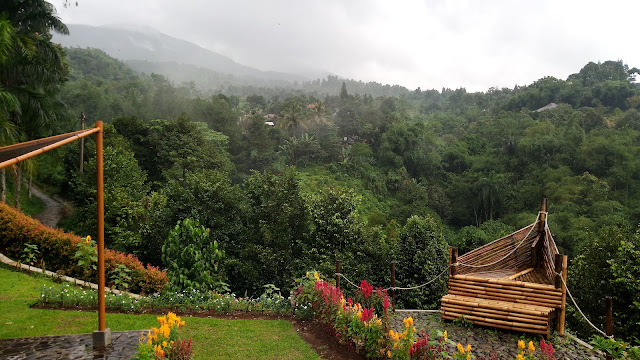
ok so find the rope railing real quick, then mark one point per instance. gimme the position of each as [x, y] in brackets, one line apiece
[397, 287]
[579, 310]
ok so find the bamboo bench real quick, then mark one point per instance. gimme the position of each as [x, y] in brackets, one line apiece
[502, 303]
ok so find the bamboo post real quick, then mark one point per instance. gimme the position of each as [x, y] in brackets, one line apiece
[338, 273]
[100, 201]
[608, 319]
[82, 142]
[537, 246]
[543, 214]
[393, 285]
[453, 259]
[561, 268]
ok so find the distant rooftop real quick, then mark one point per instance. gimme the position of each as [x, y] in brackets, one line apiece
[547, 107]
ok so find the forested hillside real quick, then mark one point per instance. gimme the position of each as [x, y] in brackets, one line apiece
[366, 179]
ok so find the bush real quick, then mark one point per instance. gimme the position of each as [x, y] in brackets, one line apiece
[191, 258]
[58, 248]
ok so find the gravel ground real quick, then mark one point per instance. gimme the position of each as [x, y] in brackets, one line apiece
[486, 340]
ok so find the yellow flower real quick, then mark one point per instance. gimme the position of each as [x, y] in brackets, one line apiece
[164, 344]
[408, 321]
[468, 356]
[460, 348]
[469, 348]
[520, 344]
[519, 357]
[307, 274]
[316, 276]
[389, 353]
[532, 348]
[378, 322]
[445, 335]
[88, 239]
[158, 350]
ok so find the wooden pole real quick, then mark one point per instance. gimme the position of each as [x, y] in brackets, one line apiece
[454, 259]
[393, 285]
[538, 245]
[338, 273]
[81, 143]
[100, 201]
[543, 213]
[608, 319]
[561, 268]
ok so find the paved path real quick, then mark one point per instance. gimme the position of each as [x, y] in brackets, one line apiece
[485, 340]
[53, 209]
[72, 347]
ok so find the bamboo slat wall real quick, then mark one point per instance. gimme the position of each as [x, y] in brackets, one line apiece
[497, 249]
[549, 252]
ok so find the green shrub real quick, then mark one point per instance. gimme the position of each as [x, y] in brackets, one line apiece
[191, 258]
[59, 248]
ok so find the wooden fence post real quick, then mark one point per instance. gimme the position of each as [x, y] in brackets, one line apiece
[393, 285]
[453, 258]
[608, 319]
[561, 268]
[338, 273]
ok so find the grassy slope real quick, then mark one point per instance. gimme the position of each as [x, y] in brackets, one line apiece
[212, 338]
[29, 206]
[312, 179]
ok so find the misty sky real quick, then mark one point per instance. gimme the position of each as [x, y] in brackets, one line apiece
[428, 44]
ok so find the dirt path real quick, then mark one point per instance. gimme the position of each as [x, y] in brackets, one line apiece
[53, 209]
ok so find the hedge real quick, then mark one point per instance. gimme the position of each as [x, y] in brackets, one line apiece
[57, 249]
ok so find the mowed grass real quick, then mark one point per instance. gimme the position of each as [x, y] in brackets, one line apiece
[212, 338]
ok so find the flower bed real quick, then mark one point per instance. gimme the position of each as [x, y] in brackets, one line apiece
[365, 328]
[68, 296]
[58, 250]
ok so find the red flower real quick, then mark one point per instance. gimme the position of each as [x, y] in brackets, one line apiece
[366, 288]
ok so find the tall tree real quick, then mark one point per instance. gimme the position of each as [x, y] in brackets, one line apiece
[32, 68]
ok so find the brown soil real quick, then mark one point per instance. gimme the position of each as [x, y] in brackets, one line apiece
[322, 342]
[314, 333]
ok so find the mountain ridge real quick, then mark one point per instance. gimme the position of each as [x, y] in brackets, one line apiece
[126, 42]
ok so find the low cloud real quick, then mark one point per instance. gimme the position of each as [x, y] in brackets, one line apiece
[427, 44]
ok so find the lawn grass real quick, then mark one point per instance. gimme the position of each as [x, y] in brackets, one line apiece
[212, 338]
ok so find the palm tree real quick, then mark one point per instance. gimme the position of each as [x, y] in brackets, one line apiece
[8, 135]
[292, 116]
[489, 190]
[32, 67]
[320, 114]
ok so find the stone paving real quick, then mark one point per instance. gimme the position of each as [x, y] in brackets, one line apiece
[486, 340]
[124, 345]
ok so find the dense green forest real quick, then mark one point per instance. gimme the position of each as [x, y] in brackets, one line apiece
[289, 180]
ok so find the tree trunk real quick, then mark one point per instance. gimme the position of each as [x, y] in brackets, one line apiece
[18, 186]
[30, 184]
[3, 180]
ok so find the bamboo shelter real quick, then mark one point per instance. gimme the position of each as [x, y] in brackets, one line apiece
[511, 283]
[13, 154]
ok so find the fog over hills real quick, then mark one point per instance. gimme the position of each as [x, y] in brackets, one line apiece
[167, 55]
